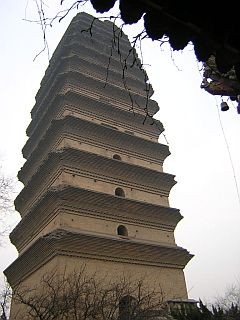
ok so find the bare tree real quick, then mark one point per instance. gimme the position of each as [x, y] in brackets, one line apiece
[5, 300]
[6, 187]
[87, 297]
[230, 297]
[6, 201]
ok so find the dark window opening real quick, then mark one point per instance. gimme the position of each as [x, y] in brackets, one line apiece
[122, 231]
[119, 192]
[117, 157]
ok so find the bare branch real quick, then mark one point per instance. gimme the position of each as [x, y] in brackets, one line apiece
[80, 295]
[5, 300]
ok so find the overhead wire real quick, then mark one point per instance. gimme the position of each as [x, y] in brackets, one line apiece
[229, 153]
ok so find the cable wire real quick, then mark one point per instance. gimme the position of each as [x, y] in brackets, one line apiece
[229, 154]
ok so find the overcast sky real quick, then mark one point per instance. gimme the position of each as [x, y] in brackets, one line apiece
[205, 192]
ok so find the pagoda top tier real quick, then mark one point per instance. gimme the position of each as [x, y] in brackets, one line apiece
[112, 62]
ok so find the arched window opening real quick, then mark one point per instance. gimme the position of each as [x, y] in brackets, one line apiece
[117, 157]
[119, 192]
[122, 231]
[127, 308]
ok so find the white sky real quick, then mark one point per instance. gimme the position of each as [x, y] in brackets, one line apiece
[206, 191]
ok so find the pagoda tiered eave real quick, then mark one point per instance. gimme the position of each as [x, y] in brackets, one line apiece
[78, 163]
[73, 62]
[93, 40]
[94, 88]
[98, 135]
[73, 243]
[99, 111]
[83, 202]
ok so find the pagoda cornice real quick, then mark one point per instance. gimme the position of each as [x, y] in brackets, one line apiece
[92, 68]
[101, 44]
[82, 52]
[105, 49]
[67, 242]
[99, 204]
[96, 43]
[89, 86]
[113, 61]
[96, 167]
[98, 135]
[86, 20]
[99, 111]
[119, 53]
[83, 202]
[98, 26]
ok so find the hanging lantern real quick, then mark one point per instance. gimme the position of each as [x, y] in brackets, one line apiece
[224, 106]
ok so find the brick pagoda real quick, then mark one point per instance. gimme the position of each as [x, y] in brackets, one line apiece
[94, 189]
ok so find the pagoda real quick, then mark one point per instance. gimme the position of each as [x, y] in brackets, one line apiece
[94, 188]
